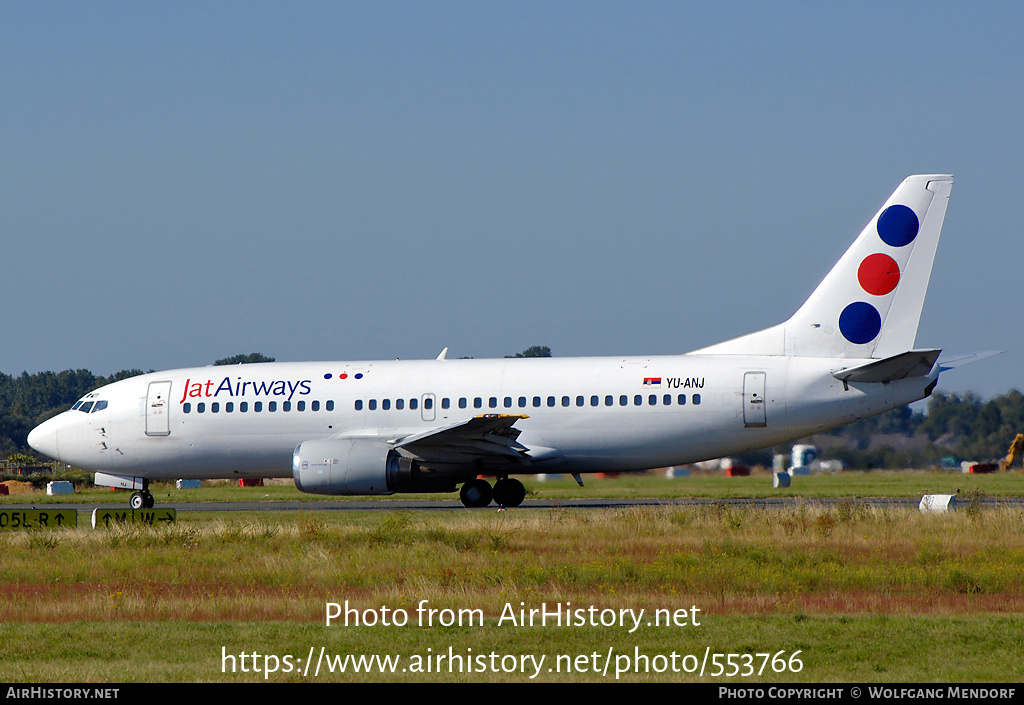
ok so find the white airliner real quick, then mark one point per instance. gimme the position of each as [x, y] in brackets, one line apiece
[361, 428]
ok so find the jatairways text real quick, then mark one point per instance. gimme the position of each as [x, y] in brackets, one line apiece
[240, 388]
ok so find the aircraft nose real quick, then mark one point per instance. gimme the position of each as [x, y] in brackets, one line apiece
[43, 438]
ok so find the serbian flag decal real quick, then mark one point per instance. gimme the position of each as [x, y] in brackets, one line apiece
[652, 382]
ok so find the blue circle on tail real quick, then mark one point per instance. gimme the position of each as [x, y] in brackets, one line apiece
[860, 323]
[897, 226]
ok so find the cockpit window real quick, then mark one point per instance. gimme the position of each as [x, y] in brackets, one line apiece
[86, 406]
[100, 406]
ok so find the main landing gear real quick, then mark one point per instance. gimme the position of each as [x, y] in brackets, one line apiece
[479, 493]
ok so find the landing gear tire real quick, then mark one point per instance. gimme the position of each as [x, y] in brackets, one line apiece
[141, 500]
[509, 493]
[476, 493]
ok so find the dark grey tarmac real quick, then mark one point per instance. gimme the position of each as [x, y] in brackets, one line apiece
[454, 504]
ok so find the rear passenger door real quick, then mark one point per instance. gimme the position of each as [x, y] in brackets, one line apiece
[753, 399]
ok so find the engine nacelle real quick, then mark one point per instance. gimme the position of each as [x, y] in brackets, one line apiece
[345, 467]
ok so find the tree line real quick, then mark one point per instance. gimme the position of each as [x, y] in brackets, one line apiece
[955, 427]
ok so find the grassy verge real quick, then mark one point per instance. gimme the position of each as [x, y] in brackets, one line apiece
[863, 594]
[829, 649]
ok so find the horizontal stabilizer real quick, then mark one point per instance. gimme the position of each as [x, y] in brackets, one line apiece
[913, 363]
[961, 360]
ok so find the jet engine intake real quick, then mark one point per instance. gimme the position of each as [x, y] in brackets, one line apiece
[341, 467]
[338, 467]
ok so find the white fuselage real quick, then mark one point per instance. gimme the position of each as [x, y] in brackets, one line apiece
[580, 414]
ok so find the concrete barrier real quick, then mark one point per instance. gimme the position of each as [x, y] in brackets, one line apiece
[59, 487]
[938, 503]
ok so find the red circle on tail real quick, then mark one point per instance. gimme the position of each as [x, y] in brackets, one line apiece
[878, 274]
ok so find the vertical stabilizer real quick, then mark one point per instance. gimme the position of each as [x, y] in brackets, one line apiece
[870, 304]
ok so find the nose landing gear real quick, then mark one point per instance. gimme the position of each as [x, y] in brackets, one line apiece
[142, 500]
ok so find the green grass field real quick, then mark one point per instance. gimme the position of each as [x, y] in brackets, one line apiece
[845, 594]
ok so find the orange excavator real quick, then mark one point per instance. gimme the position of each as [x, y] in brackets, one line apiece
[1015, 452]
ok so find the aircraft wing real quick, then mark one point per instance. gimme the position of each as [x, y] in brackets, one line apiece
[481, 437]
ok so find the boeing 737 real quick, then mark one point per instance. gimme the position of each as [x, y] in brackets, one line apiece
[366, 428]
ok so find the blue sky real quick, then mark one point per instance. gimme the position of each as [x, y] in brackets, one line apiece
[184, 181]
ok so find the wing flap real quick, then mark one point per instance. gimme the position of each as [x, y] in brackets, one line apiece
[488, 435]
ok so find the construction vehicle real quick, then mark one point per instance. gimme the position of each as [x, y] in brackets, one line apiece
[1015, 452]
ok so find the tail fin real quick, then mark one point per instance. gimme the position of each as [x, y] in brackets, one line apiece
[870, 304]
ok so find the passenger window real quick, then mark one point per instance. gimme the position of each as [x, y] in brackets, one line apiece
[428, 403]
[186, 408]
[638, 400]
[229, 407]
[551, 401]
[286, 406]
[536, 401]
[682, 400]
[446, 403]
[462, 402]
[493, 402]
[257, 407]
[399, 404]
[609, 400]
[595, 400]
[214, 408]
[667, 400]
[385, 404]
[623, 400]
[272, 406]
[243, 406]
[300, 406]
[359, 404]
[522, 402]
[696, 399]
[200, 407]
[579, 401]
[315, 406]
[373, 405]
[478, 403]
[508, 402]
[653, 400]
